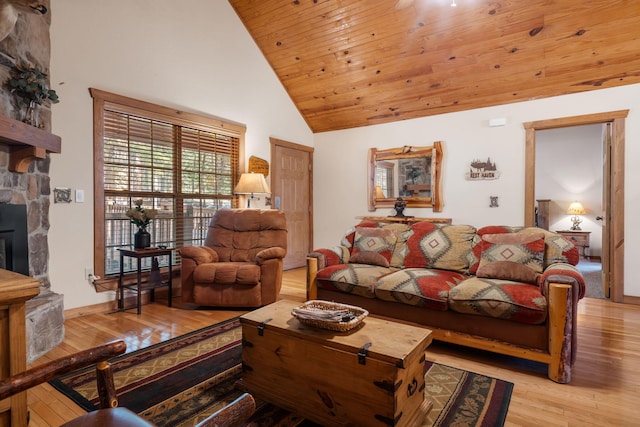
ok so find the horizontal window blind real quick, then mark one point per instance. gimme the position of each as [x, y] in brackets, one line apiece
[184, 170]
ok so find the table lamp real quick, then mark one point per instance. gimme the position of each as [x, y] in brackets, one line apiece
[576, 209]
[251, 183]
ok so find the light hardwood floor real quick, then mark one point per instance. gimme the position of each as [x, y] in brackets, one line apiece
[604, 391]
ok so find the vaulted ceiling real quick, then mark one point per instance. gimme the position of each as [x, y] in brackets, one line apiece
[351, 63]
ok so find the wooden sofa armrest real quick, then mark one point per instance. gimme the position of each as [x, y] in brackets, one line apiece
[312, 272]
[330, 256]
[51, 370]
[562, 333]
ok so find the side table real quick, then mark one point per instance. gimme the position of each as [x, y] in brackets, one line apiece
[579, 238]
[153, 282]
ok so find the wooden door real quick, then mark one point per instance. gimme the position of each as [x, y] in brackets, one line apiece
[606, 209]
[291, 190]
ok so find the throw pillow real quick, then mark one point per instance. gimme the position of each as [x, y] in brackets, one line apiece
[519, 250]
[556, 247]
[369, 257]
[378, 241]
[507, 270]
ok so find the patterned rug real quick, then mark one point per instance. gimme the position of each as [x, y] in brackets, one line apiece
[182, 381]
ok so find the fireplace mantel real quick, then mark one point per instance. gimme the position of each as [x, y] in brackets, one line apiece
[26, 143]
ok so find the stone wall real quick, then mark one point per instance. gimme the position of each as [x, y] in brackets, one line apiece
[29, 43]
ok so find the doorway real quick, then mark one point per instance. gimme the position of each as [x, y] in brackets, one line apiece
[569, 178]
[613, 202]
[291, 187]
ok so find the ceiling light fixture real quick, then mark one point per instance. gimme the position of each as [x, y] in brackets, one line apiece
[453, 3]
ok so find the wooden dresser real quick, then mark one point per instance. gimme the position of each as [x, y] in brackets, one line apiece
[15, 290]
[579, 238]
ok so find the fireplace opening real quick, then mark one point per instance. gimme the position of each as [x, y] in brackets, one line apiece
[14, 240]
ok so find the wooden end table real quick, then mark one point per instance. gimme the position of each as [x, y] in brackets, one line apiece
[580, 239]
[152, 283]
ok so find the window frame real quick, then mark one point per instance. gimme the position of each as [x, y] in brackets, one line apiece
[126, 105]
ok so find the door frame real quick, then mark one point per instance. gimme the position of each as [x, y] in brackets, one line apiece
[279, 142]
[616, 227]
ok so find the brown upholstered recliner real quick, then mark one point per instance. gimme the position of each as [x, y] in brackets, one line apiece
[240, 264]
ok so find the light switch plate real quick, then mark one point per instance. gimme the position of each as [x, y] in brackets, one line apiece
[79, 196]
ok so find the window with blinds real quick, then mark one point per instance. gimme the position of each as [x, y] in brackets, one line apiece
[183, 169]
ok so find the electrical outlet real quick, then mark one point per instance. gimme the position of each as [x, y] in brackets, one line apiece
[88, 273]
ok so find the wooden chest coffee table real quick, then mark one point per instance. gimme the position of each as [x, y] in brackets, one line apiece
[370, 376]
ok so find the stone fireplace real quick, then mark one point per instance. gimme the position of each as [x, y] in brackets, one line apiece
[24, 173]
[14, 242]
[45, 313]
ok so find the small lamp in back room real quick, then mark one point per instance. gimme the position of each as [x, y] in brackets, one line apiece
[576, 209]
[252, 183]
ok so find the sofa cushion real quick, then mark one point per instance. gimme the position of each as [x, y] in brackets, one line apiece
[445, 247]
[375, 241]
[516, 257]
[355, 279]
[418, 286]
[557, 248]
[501, 299]
[403, 232]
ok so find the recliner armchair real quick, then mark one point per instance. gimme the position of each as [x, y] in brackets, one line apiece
[241, 262]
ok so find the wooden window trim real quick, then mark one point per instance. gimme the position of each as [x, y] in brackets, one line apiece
[126, 105]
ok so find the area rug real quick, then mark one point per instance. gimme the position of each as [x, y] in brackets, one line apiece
[182, 381]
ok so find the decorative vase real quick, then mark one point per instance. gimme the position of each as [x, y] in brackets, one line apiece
[31, 115]
[142, 239]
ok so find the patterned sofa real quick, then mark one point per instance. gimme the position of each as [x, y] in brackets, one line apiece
[510, 290]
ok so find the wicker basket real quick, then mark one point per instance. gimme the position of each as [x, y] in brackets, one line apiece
[353, 313]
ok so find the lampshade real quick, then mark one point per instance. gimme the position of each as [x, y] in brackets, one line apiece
[576, 208]
[252, 183]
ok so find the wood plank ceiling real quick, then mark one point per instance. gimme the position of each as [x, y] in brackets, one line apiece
[351, 63]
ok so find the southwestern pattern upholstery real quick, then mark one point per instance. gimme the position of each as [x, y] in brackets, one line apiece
[445, 248]
[468, 285]
[240, 264]
[421, 287]
[502, 299]
[373, 246]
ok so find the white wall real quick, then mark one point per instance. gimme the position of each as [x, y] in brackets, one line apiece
[340, 170]
[191, 55]
[165, 52]
[569, 168]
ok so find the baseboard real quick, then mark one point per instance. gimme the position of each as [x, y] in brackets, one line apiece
[111, 306]
[632, 300]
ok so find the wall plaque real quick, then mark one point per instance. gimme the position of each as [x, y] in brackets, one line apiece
[480, 170]
[258, 165]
